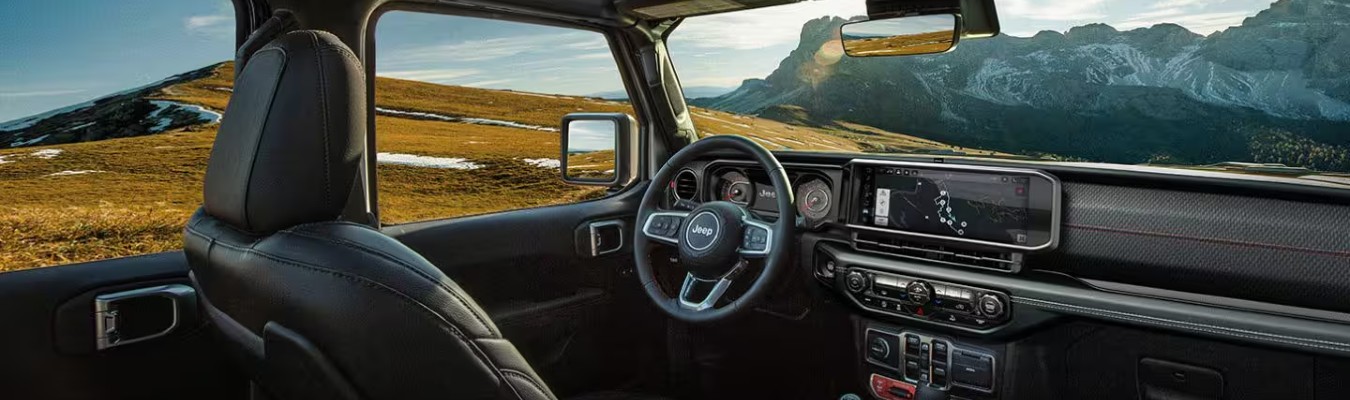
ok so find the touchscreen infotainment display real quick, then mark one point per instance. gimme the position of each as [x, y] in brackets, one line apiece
[983, 206]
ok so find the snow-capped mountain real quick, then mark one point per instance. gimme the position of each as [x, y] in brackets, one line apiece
[131, 112]
[1161, 93]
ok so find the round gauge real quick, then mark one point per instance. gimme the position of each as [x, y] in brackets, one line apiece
[813, 201]
[736, 188]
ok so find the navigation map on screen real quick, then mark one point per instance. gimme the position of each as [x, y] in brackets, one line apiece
[978, 206]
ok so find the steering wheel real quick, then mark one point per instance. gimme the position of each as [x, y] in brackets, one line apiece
[715, 240]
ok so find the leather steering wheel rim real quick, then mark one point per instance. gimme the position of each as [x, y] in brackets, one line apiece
[781, 236]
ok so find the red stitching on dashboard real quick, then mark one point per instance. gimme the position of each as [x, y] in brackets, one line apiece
[1229, 242]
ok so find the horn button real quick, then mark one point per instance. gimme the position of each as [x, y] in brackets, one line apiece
[709, 239]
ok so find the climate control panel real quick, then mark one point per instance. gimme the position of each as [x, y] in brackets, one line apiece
[936, 301]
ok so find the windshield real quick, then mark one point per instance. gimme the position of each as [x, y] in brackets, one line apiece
[1229, 85]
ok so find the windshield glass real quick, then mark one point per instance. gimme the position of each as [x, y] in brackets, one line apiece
[1229, 85]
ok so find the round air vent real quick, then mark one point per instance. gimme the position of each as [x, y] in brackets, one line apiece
[686, 185]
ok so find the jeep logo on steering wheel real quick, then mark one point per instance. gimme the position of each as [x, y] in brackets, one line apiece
[703, 230]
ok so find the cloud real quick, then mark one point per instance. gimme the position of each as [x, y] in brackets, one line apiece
[1053, 10]
[40, 93]
[445, 75]
[1026, 17]
[216, 26]
[594, 56]
[490, 82]
[1203, 24]
[484, 49]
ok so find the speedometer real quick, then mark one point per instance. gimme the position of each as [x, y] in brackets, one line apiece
[736, 188]
[813, 201]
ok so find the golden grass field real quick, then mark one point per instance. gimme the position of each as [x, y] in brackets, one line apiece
[146, 187]
[924, 43]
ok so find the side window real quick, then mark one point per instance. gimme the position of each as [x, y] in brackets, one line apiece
[468, 112]
[107, 115]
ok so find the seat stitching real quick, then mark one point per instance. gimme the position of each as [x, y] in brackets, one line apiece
[323, 108]
[528, 379]
[478, 351]
[391, 258]
[1270, 337]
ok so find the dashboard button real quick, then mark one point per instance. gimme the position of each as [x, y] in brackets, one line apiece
[912, 345]
[939, 376]
[991, 306]
[856, 281]
[920, 292]
[939, 349]
[912, 369]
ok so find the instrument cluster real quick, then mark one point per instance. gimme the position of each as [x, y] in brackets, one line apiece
[751, 188]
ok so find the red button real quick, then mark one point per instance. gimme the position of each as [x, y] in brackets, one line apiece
[881, 388]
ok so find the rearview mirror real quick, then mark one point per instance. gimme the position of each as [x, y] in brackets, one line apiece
[598, 148]
[902, 36]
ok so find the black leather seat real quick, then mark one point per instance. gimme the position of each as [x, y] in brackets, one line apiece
[313, 307]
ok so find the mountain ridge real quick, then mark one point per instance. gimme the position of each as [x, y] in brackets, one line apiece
[1155, 94]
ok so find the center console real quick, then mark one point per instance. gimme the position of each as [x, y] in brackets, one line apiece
[905, 363]
[921, 336]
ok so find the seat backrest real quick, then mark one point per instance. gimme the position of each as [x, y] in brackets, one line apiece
[310, 306]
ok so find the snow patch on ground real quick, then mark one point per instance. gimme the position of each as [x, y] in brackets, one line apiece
[75, 172]
[4, 161]
[223, 89]
[80, 126]
[204, 115]
[46, 154]
[544, 162]
[29, 141]
[413, 160]
[448, 118]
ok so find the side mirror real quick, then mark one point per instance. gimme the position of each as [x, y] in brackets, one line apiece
[901, 36]
[598, 149]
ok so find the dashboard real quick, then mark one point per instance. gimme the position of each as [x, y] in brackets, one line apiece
[956, 273]
[986, 247]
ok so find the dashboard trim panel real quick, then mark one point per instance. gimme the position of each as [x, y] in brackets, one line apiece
[1034, 296]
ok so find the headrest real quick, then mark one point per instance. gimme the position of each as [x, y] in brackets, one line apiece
[290, 143]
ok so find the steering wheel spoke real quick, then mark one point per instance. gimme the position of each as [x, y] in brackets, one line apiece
[664, 226]
[757, 239]
[719, 288]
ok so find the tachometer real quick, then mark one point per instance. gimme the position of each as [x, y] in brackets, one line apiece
[736, 188]
[813, 201]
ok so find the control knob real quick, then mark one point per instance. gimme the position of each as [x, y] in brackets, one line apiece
[856, 281]
[992, 306]
[919, 292]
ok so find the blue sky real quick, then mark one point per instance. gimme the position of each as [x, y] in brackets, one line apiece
[97, 47]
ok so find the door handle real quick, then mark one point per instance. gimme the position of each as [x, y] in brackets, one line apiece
[606, 237]
[133, 316]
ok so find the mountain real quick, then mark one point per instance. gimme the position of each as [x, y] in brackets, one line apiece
[1275, 89]
[138, 111]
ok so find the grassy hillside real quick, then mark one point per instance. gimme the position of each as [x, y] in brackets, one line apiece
[94, 200]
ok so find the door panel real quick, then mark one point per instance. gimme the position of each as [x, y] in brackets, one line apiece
[48, 339]
[581, 321]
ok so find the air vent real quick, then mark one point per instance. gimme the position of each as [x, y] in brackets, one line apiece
[1002, 261]
[686, 185]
